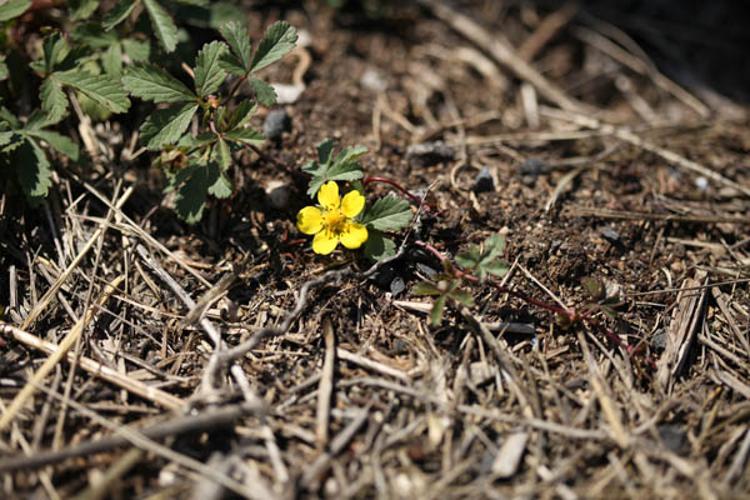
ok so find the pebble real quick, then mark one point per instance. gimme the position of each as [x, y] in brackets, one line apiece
[278, 194]
[427, 271]
[429, 153]
[397, 285]
[610, 234]
[675, 438]
[373, 80]
[533, 166]
[701, 183]
[484, 183]
[277, 122]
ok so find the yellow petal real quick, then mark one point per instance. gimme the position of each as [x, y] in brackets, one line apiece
[328, 196]
[325, 242]
[353, 203]
[353, 235]
[310, 220]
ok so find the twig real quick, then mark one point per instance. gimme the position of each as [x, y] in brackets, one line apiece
[325, 388]
[67, 342]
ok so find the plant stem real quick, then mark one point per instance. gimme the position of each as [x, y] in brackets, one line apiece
[384, 180]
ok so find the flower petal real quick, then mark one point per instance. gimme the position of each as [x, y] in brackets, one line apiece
[353, 235]
[325, 242]
[328, 196]
[310, 220]
[353, 203]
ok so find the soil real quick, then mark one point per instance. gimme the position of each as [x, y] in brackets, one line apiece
[646, 395]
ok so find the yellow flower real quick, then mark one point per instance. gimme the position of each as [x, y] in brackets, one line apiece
[331, 222]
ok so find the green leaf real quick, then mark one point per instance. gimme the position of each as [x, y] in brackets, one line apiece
[166, 126]
[279, 39]
[485, 260]
[222, 188]
[82, 9]
[344, 167]
[438, 308]
[55, 49]
[264, 93]
[54, 100]
[33, 170]
[166, 30]
[118, 14]
[462, 297]
[389, 213]
[224, 154]
[136, 50]
[245, 136]
[236, 35]
[3, 68]
[425, 288]
[102, 89]
[497, 268]
[241, 115]
[209, 75]
[378, 247]
[153, 84]
[192, 185]
[59, 142]
[112, 60]
[13, 8]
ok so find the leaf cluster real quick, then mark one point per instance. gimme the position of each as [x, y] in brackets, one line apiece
[105, 54]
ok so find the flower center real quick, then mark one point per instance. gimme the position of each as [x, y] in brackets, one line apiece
[334, 221]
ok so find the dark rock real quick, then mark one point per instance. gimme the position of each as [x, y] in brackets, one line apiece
[429, 153]
[484, 182]
[610, 234]
[675, 438]
[277, 122]
[533, 166]
[659, 340]
[426, 271]
[397, 285]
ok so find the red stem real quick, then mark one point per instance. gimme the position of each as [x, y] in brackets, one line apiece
[384, 180]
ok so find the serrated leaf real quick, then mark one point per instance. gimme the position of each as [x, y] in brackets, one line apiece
[325, 151]
[13, 8]
[496, 267]
[238, 38]
[264, 93]
[343, 168]
[55, 49]
[166, 126]
[102, 89]
[241, 115]
[136, 50]
[222, 187]
[54, 100]
[279, 39]
[118, 14]
[245, 136]
[153, 84]
[59, 142]
[164, 26]
[191, 184]
[462, 297]
[223, 154]
[378, 247]
[3, 68]
[82, 9]
[33, 170]
[112, 60]
[209, 75]
[389, 213]
[438, 308]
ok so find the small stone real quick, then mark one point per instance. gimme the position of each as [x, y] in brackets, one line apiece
[533, 166]
[277, 122]
[484, 182]
[610, 234]
[426, 271]
[701, 183]
[278, 194]
[397, 285]
[373, 80]
[675, 438]
[429, 153]
[659, 340]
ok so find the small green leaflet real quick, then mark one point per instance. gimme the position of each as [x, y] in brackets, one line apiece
[379, 247]
[389, 213]
[236, 35]
[166, 126]
[444, 289]
[279, 39]
[345, 167]
[162, 23]
[209, 75]
[485, 259]
[61, 143]
[154, 84]
[265, 94]
[102, 89]
[193, 184]
[54, 100]
[13, 8]
[245, 136]
[118, 14]
[33, 170]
